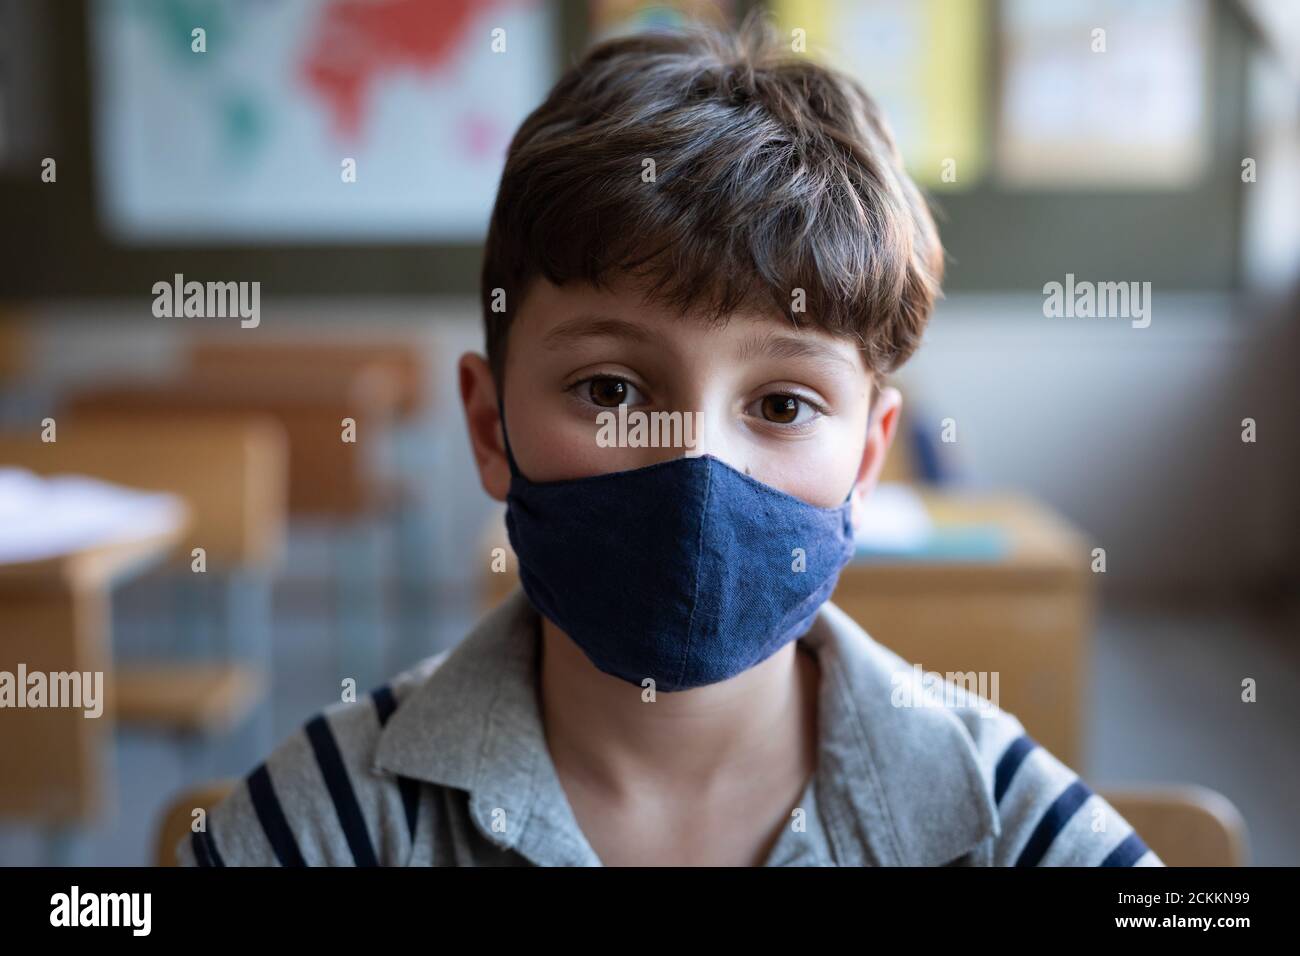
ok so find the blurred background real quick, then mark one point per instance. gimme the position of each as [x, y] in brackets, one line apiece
[234, 515]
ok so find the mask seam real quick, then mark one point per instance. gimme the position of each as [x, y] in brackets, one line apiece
[695, 597]
[770, 491]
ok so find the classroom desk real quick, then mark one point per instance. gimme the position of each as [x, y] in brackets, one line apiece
[231, 473]
[403, 357]
[230, 470]
[54, 616]
[327, 476]
[1025, 614]
[235, 358]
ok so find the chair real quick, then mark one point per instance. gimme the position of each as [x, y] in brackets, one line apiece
[179, 816]
[1186, 825]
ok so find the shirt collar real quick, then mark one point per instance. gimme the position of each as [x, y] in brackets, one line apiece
[894, 785]
[475, 725]
[899, 786]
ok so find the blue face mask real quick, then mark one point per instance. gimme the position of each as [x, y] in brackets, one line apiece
[687, 571]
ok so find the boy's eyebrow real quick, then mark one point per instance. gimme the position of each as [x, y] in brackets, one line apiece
[590, 326]
[774, 345]
[770, 345]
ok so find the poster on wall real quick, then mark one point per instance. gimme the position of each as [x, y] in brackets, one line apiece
[610, 18]
[1103, 93]
[923, 61]
[310, 120]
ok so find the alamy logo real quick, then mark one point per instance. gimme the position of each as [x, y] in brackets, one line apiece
[638, 429]
[75, 908]
[74, 689]
[208, 300]
[920, 688]
[1102, 300]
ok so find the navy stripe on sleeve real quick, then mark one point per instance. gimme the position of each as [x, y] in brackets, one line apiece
[1009, 763]
[1054, 820]
[271, 816]
[1130, 850]
[385, 704]
[199, 848]
[205, 849]
[336, 777]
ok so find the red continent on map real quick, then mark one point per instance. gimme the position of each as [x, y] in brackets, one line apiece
[356, 40]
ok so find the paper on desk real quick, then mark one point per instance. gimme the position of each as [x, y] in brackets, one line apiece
[897, 526]
[894, 521]
[46, 517]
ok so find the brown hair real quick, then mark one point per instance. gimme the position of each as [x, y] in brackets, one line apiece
[771, 174]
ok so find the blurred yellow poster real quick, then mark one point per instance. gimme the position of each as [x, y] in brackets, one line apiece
[923, 61]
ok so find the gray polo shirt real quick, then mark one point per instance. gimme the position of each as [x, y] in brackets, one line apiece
[447, 765]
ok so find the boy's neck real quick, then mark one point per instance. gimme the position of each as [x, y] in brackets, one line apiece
[760, 725]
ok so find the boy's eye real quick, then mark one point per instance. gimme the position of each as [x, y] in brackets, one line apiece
[782, 409]
[609, 392]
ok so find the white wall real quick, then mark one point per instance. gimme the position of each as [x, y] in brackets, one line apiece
[1134, 434]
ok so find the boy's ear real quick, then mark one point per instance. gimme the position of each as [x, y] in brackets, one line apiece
[880, 435]
[478, 395]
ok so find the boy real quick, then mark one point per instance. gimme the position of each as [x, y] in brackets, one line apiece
[698, 224]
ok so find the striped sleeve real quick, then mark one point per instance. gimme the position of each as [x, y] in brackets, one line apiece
[316, 801]
[1048, 815]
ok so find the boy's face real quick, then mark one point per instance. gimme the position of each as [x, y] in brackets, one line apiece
[787, 406]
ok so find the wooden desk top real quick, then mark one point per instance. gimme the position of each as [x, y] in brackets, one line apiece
[1040, 545]
[231, 471]
[100, 566]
